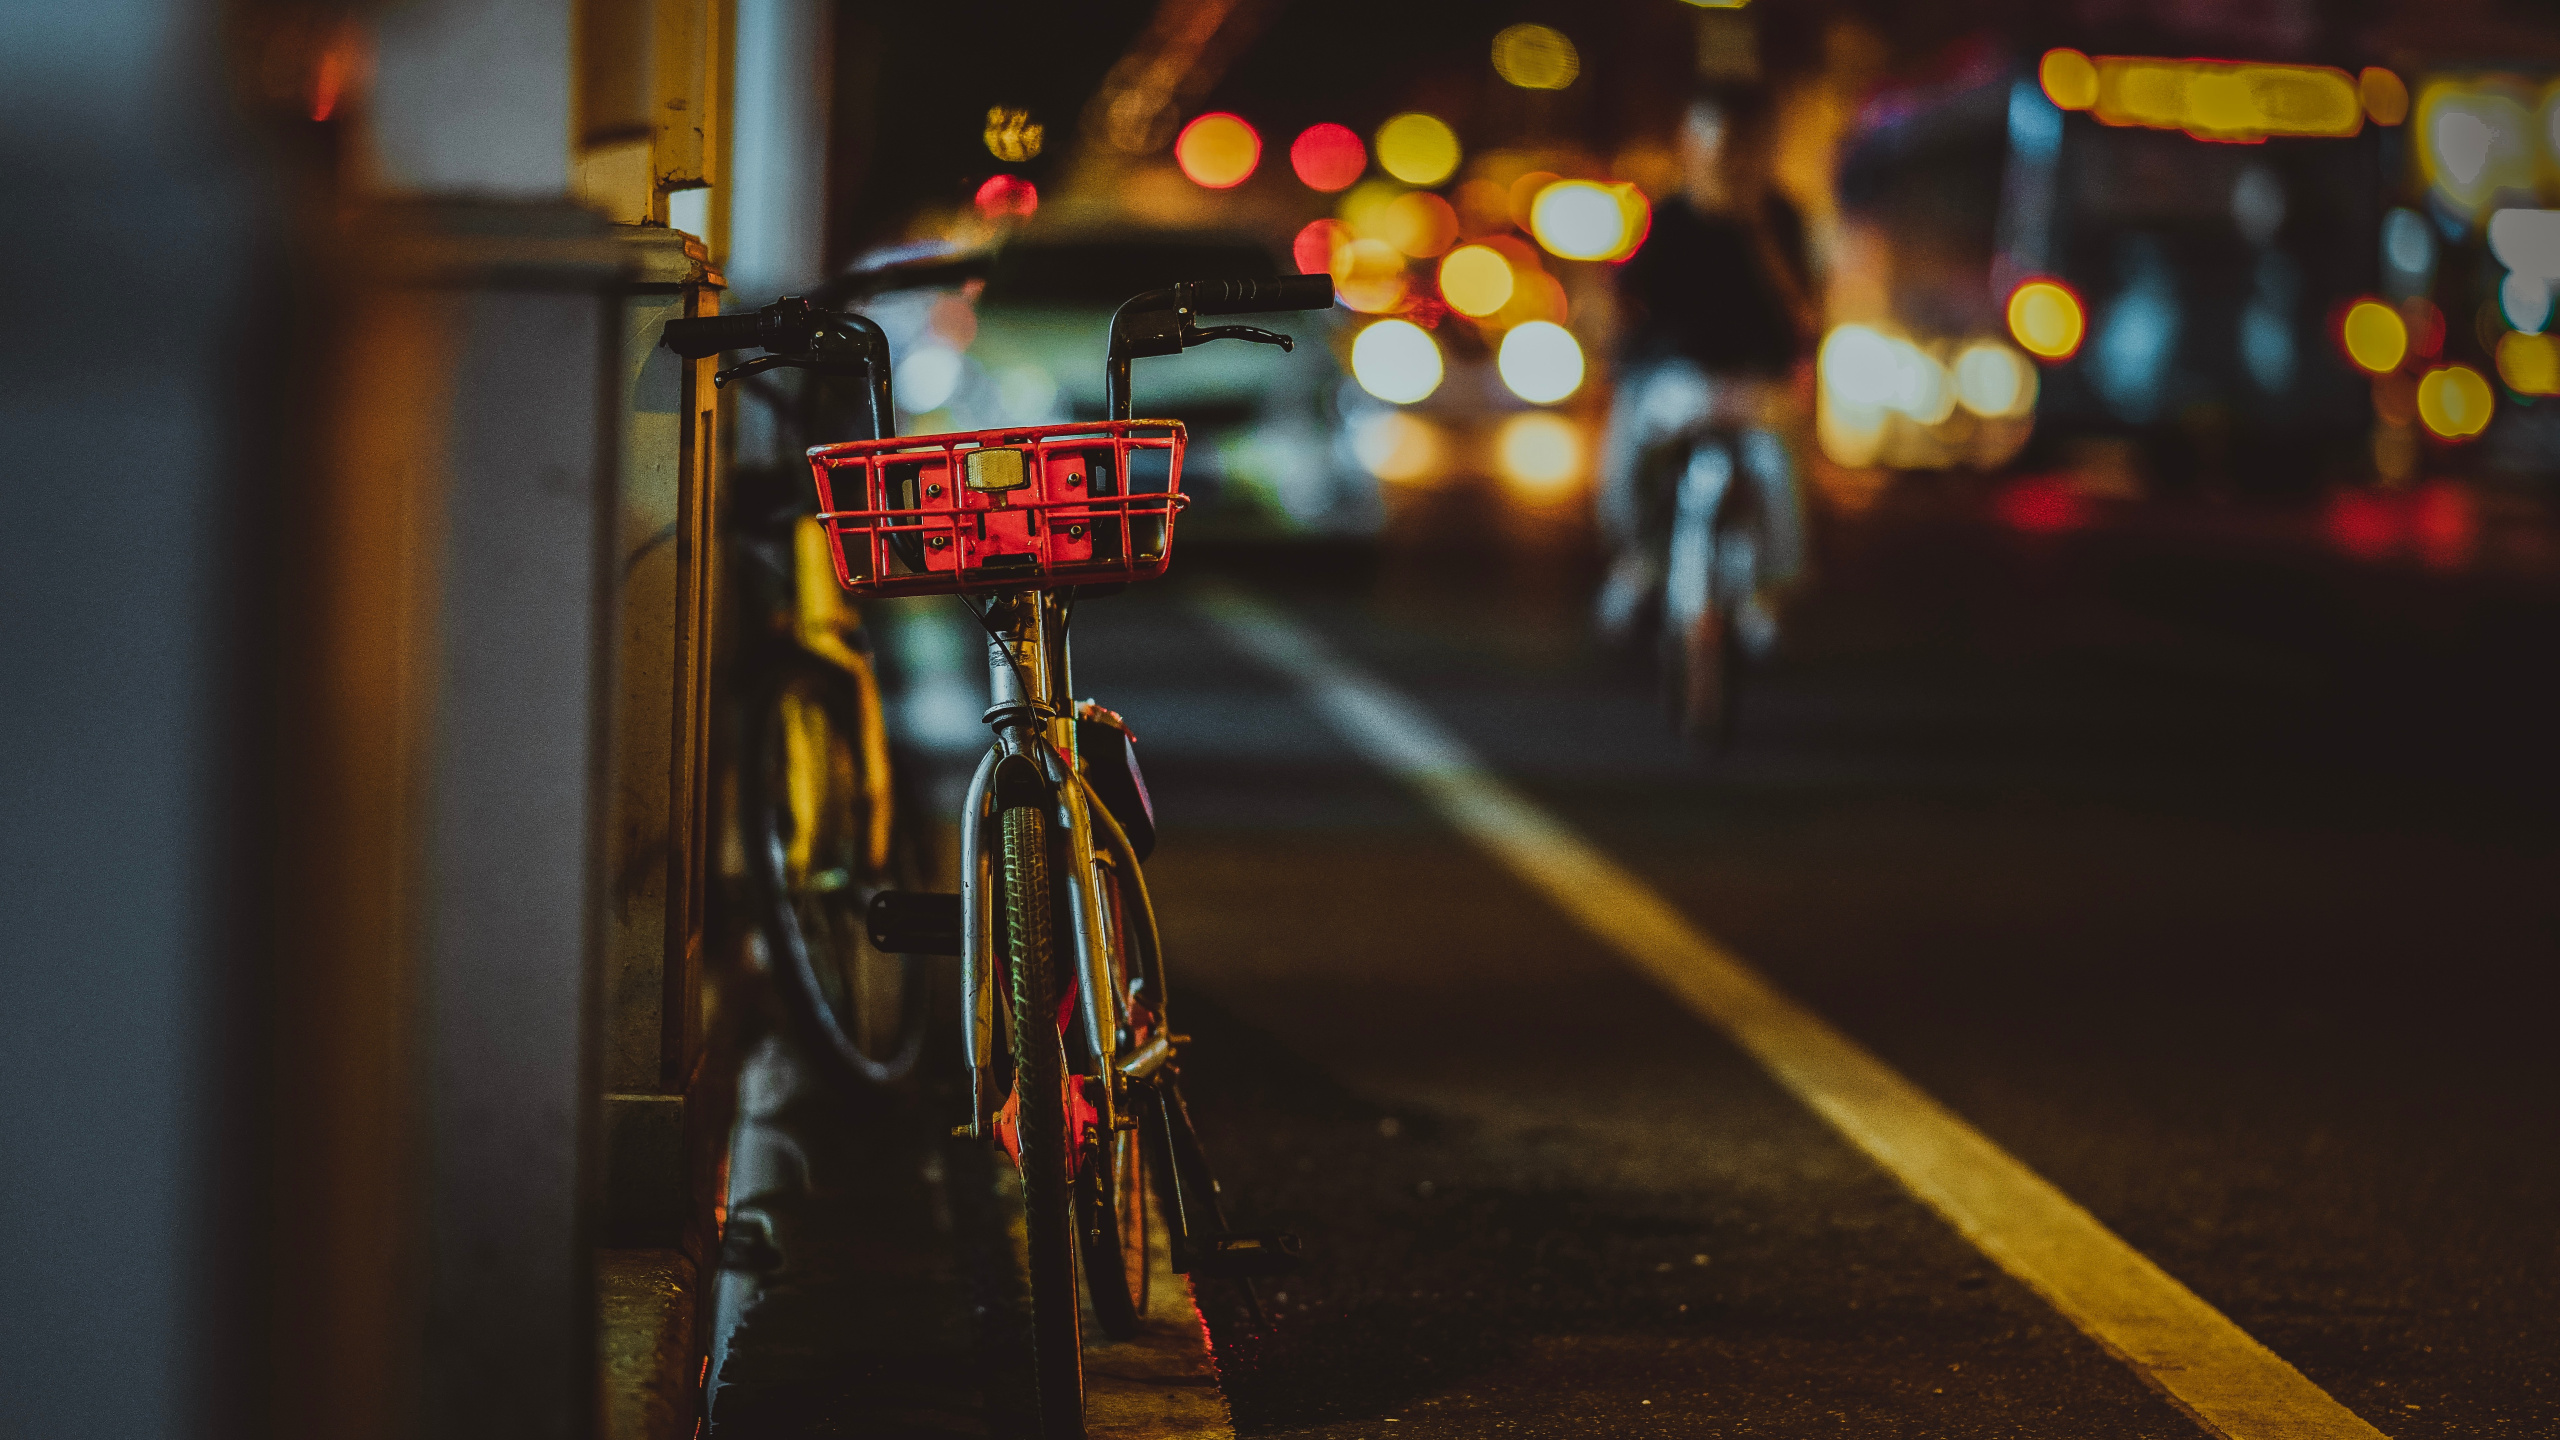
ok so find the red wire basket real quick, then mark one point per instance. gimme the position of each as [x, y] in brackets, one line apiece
[1002, 509]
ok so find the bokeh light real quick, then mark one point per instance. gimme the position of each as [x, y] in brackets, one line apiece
[1007, 196]
[2454, 402]
[1579, 220]
[1369, 276]
[1541, 362]
[1397, 361]
[2527, 241]
[2047, 319]
[1012, 135]
[2070, 81]
[2425, 324]
[2374, 337]
[1535, 57]
[1540, 454]
[2386, 99]
[1994, 381]
[1525, 191]
[1475, 280]
[1328, 157]
[1418, 223]
[1218, 151]
[2526, 302]
[1418, 149]
[1317, 246]
[2530, 364]
[2473, 142]
[1398, 447]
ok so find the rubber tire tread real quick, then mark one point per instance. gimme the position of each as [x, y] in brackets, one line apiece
[1048, 1199]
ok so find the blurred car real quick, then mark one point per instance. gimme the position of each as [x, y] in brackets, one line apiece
[1029, 351]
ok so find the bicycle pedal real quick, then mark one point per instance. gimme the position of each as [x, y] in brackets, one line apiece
[1241, 1254]
[914, 922]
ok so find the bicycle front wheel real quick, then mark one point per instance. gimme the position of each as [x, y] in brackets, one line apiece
[1041, 1108]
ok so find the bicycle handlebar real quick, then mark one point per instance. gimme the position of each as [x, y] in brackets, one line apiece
[1259, 297]
[710, 334]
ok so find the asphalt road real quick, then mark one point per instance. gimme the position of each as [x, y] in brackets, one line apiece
[2212, 881]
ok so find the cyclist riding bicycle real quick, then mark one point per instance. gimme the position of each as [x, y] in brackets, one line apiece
[1720, 315]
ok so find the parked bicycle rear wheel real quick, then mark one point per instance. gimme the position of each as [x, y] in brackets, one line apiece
[1040, 1083]
[1113, 1195]
[805, 819]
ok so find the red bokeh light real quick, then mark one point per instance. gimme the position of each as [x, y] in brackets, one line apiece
[1328, 157]
[2426, 326]
[2363, 523]
[1007, 195]
[1315, 246]
[2042, 505]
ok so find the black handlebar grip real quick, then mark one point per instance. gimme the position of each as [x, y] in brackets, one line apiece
[711, 334]
[1252, 297]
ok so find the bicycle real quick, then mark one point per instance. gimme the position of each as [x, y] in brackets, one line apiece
[1081, 1084]
[818, 803]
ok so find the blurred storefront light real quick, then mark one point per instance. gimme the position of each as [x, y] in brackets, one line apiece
[2226, 99]
[2069, 79]
[1870, 369]
[1397, 361]
[2530, 364]
[1994, 381]
[1476, 280]
[2047, 319]
[928, 377]
[1541, 362]
[1540, 453]
[1418, 149]
[1218, 151]
[2454, 402]
[1328, 157]
[2473, 142]
[1535, 57]
[2374, 337]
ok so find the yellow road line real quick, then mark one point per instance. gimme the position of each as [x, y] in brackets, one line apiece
[2228, 1382]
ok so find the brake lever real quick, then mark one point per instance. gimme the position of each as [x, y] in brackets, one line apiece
[1194, 335]
[720, 379]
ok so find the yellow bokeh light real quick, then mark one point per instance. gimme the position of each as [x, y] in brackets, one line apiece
[2385, 96]
[1540, 453]
[1397, 361]
[1398, 447]
[2046, 319]
[1218, 151]
[1541, 362]
[1535, 57]
[2227, 100]
[1994, 381]
[1475, 280]
[2530, 364]
[2070, 81]
[1012, 136]
[1418, 149]
[2454, 402]
[1579, 220]
[1368, 276]
[2376, 338]
[1418, 223]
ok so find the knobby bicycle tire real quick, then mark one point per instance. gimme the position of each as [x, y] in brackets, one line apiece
[1040, 1079]
[1113, 1194]
[809, 907]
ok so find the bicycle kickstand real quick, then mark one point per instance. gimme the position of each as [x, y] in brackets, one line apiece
[1214, 1250]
